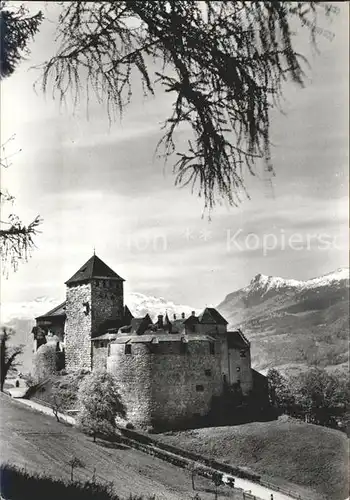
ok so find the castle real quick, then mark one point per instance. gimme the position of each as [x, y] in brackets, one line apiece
[169, 371]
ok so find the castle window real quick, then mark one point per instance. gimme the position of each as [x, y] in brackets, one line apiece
[109, 350]
[242, 353]
[212, 348]
[86, 308]
[207, 373]
[127, 348]
[199, 388]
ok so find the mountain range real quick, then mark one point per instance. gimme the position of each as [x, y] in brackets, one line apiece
[291, 324]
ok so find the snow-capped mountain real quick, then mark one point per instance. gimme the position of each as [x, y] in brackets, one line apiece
[293, 322]
[267, 283]
[140, 304]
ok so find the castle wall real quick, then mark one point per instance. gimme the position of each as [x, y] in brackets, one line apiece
[133, 374]
[78, 327]
[225, 370]
[207, 328]
[107, 302]
[162, 385]
[244, 374]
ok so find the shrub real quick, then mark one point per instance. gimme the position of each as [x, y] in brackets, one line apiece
[99, 403]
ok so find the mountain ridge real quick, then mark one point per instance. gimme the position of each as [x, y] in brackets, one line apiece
[292, 323]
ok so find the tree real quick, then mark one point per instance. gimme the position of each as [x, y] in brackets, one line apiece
[193, 467]
[321, 396]
[217, 480]
[280, 392]
[17, 29]
[60, 398]
[99, 403]
[8, 355]
[74, 463]
[224, 63]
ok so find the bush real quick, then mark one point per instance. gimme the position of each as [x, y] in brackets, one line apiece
[99, 403]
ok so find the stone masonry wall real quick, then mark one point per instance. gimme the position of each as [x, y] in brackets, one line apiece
[78, 328]
[161, 385]
[183, 385]
[224, 359]
[244, 374]
[133, 374]
[107, 301]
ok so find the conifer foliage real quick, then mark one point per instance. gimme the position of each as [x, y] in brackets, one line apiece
[223, 63]
[99, 404]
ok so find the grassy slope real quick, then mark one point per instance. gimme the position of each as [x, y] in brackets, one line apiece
[287, 450]
[41, 445]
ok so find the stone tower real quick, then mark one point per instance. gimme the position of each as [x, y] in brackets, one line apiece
[94, 298]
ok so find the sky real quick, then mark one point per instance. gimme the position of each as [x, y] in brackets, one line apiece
[99, 186]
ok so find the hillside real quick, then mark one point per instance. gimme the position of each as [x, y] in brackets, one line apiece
[293, 324]
[286, 452]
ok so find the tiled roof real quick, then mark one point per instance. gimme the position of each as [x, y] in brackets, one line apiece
[93, 268]
[191, 320]
[161, 337]
[236, 339]
[127, 314]
[105, 336]
[56, 311]
[211, 315]
[139, 325]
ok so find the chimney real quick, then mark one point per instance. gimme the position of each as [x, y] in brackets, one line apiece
[183, 315]
[160, 321]
[193, 313]
[174, 316]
